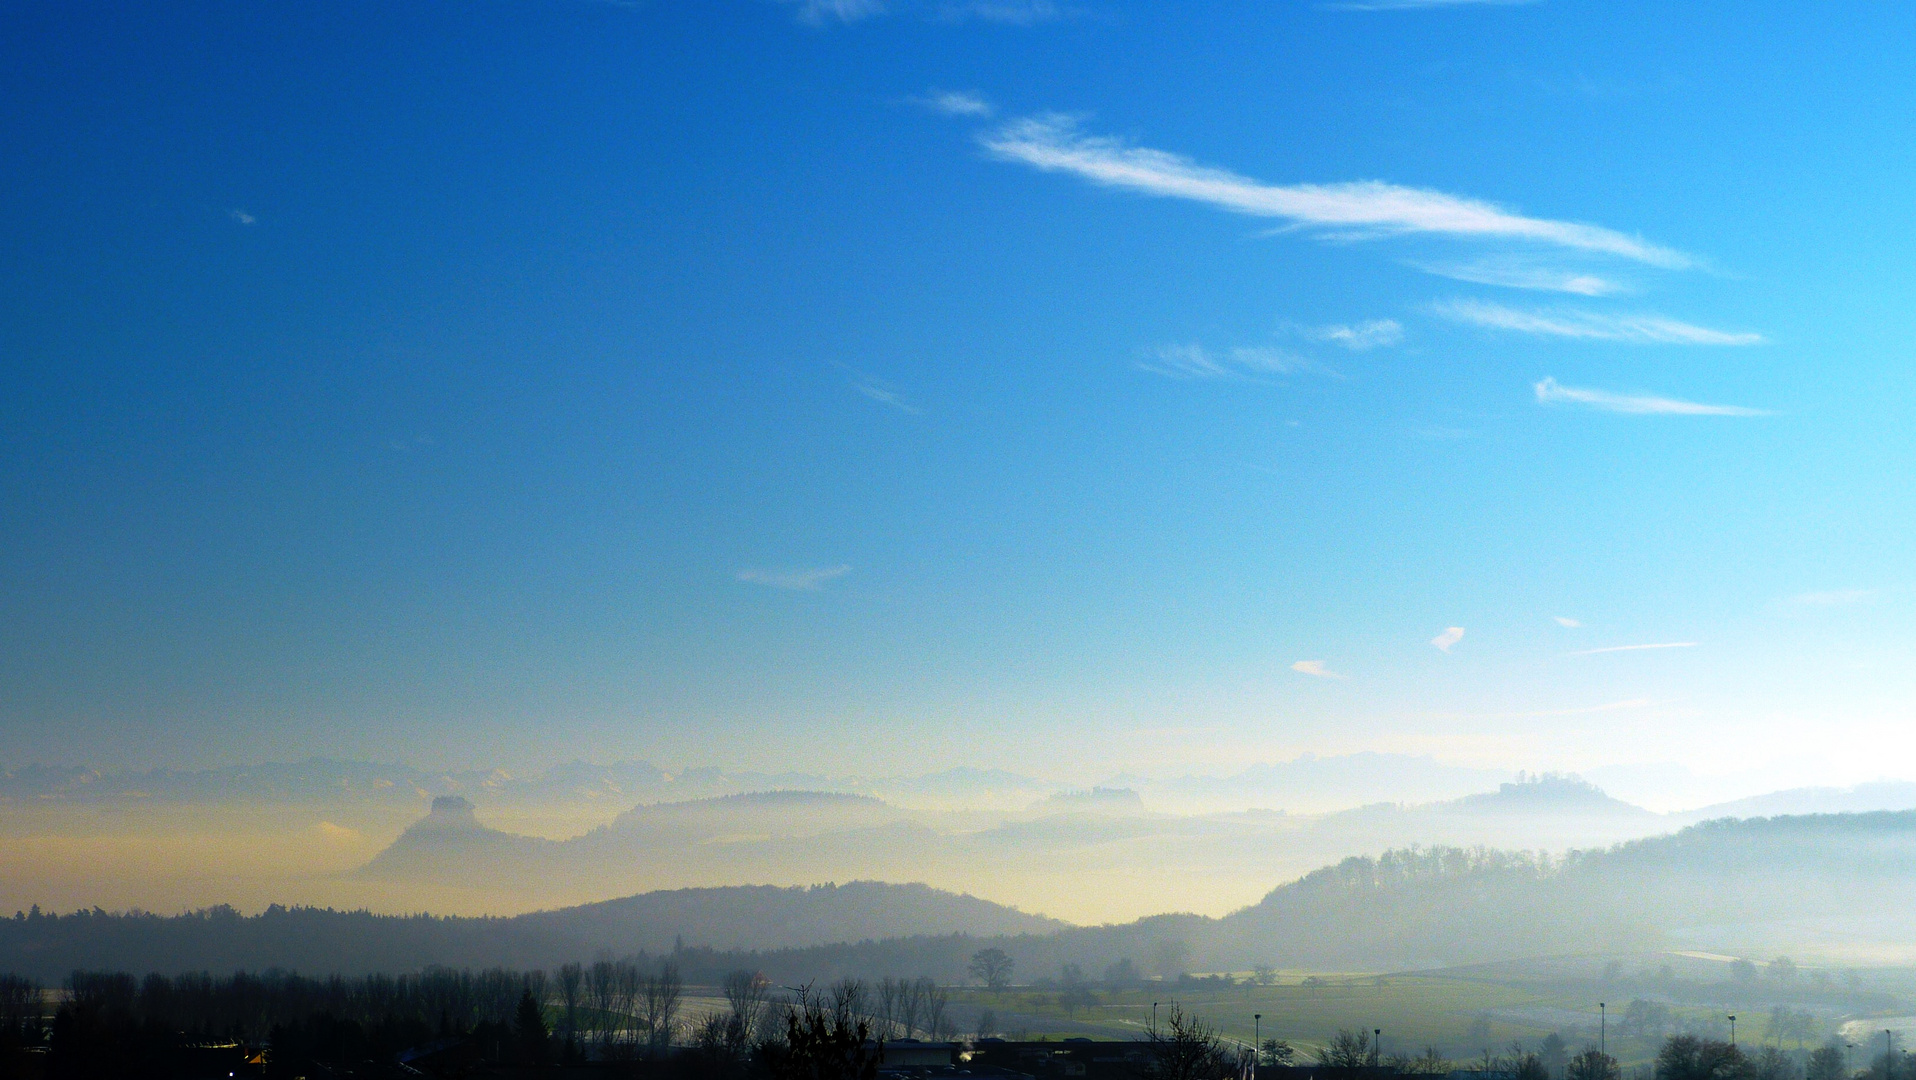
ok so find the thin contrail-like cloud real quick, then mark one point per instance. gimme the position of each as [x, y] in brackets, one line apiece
[1356, 337]
[1414, 5]
[1523, 274]
[1198, 362]
[1636, 329]
[818, 12]
[955, 103]
[1053, 143]
[796, 580]
[1551, 392]
[1636, 648]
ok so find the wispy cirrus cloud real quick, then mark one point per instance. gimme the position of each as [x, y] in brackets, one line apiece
[1551, 392]
[1528, 274]
[796, 580]
[1010, 12]
[1566, 622]
[956, 103]
[1449, 637]
[1197, 362]
[821, 12]
[242, 217]
[1635, 329]
[1357, 337]
[1053, 143]
[1005, 12]
[885, 395]
[1636, 648]
[1414, 5]
[878, 390]
[1317, 669]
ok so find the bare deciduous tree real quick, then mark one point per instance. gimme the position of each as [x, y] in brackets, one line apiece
[571, 996]
[1183, 1047]
[748, 993]
[935, 999]
[991, 967]
[1347, 1052]
[659, 1007]
[1592, 1064]
[889, 992]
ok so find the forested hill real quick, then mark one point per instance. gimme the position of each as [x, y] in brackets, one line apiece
[316, 940]
[1825, 877]
[1836, 873]
[1828, 878]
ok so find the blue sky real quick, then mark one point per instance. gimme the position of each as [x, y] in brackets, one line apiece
[876, 387]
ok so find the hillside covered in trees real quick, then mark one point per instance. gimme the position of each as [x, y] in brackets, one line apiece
[1783, 882]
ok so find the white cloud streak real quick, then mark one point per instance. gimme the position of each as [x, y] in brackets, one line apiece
[1551, 392]
[1197, 362]
[878, 390]
[795, 580]
[1516, 274]
[1448, 638]
[1007, 12]
[1566, 622]
[1357, 337]
[956, 103]
[1317, 669]
[1635, 329]
[1367, 207]
[1416, 5]
[820, 12]
[242, 217]
[1636, 648]
[886, 396]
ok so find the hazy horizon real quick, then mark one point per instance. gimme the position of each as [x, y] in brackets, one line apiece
[1662, 787]
[866, 388]
[1415, 495]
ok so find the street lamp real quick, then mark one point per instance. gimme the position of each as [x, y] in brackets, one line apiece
[1257, 1041]
[1154, 1016]
[1603, 1029]
[1732, 1029]
[1377, 1047]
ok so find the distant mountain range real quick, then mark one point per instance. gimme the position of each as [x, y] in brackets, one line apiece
[1805, 884]
[1307, 784]
[1120, 855]
[582, 833]
[1862, 798]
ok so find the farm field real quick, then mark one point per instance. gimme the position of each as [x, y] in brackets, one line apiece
[1462, 1014]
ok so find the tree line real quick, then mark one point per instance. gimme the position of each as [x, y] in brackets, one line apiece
[98, 1023]
[106, 1023]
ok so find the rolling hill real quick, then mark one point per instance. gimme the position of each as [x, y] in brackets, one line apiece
[1798, 884]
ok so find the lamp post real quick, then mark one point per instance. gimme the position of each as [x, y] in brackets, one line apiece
[1889, 1054]
[1603, 1029]
[1154, 1017]
[1377, 1046]
[1257, 1042]
[1732, 1029]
